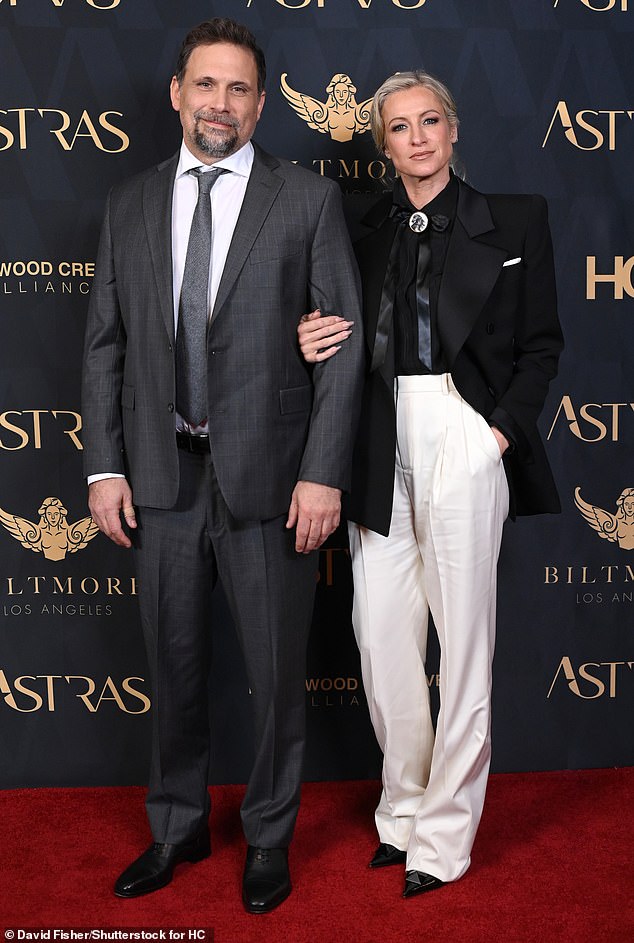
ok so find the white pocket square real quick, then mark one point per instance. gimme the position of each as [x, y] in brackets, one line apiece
[511, 261]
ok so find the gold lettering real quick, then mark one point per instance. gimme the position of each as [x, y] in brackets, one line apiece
[603, 8]
[561, 112]
[608, 567]
[598, 136]
[50, 689]
[565, 665]
[569, 412]
[19, 686]
[621, 279]
[65, 588]
[71, 433]
[11, 591]
[585, 674]
[109, 685]
[5, 424]
[615, 419]
[6, 134]
[36, 583]
[138, 694]
[8, 694]
[364, 4]
[613, 666]
[551, 574]
[59, 132]
[584, 411]
[96, 4]
[382, 169]
[299, 4]
[37, 431]
[345, 171]
[21, 113]
[118, 133]
[88, 580]
[90, 133]
[90, 689]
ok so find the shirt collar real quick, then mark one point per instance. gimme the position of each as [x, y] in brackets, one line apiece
[239, 163]
[444, 203]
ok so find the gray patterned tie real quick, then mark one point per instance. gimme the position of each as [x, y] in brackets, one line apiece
[191, 338]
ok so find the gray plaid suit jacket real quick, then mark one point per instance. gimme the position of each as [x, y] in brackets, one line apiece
[273, 419]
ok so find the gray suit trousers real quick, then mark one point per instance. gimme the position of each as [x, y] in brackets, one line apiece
[180, 554]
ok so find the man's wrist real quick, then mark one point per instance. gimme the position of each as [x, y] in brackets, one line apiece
[90, 479]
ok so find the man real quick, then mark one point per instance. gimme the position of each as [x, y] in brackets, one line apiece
[224, 443]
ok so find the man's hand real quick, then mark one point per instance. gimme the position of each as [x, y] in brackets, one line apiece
[316, 510]
[321, 338]
[106, 499]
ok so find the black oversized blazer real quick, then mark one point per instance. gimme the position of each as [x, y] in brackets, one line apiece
[498, 325]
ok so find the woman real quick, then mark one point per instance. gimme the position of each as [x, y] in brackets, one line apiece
[462, 340]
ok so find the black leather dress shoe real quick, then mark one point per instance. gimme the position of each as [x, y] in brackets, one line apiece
[155, 867]
[266, 881]
[417, 882]
[386, 855]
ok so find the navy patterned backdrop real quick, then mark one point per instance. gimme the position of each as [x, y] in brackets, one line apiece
[546, 100]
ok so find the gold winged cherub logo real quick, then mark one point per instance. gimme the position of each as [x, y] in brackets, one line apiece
[619, 527]
[53, 535]
[339, 116]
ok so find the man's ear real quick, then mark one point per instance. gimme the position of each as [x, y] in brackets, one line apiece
[175, 94]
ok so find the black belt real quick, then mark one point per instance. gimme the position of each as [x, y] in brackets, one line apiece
[198, 444]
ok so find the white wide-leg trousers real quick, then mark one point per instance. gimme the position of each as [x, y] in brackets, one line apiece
[450, 502]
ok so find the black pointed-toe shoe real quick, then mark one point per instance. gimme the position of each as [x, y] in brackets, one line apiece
[155, 867]
[266, 881]
[386, 855]
[417, 882]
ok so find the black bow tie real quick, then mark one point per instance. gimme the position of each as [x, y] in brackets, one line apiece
[417, 220]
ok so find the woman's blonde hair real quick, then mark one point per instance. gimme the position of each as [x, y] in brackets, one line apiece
[399, 82]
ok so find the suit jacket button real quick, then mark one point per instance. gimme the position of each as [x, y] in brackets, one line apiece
[170, 407]
[490, 328]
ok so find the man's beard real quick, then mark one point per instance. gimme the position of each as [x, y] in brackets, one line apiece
[212, 141]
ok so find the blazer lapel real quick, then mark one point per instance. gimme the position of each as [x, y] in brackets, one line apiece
[373, 253]
[157, 212]
[261, 192]
[470, 272]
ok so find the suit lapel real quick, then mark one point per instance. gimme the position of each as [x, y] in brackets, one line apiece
[157, 213]
[471, 270]
[261, 192]
[373, 253]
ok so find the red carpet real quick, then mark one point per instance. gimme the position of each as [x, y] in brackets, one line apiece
[553, 862]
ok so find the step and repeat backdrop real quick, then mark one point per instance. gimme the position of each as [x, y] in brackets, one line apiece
[546, 101]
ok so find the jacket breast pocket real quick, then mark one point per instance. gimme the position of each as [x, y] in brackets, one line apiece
[263, 254]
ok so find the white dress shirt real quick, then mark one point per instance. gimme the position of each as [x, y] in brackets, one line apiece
[227, 196]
